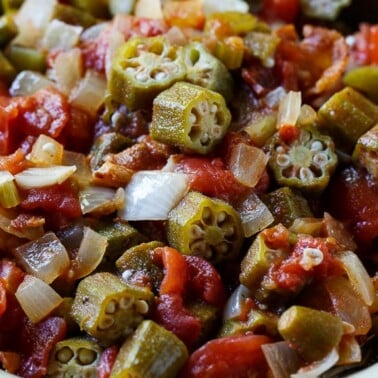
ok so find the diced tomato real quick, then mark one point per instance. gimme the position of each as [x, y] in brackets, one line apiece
[10, 361]
[94, 52]
[13, 163]
[148, 27]
[288, 133]
[210, 177]
[228, 357]
[11, 275]
[187, 14]
[205, 282]
[62, 199]
[276, 237]
[283, 10]
[9, 134]
[106, 362]
[171, 313]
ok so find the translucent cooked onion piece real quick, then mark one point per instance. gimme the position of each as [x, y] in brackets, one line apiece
[83, 174]
[247, 163]
[90, 254]
[28, 82]
[151, 195]
[45, 258]
[101, 200]
[46, 151]
[214, 6]
[235, 303]
[289, 109]
[317, 368]
[37, 298]
[359, 277]
[40, 177]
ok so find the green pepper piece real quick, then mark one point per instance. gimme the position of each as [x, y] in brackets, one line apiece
[7, 71]
[105, 144]
[144, 67]
[96, 8]
[137, 264]
[73, 16]
[205, 227]
[364, 79]
[366, 151]
[190, 117]
[346, 116]
[120, 236]
[206, 70]
[8, 29]
[306, 163]
[108, 309]
[152, 351]
[257, 321]
[328, 10]
[286, 205]
[11, 6]
[26, 58]
[312, 333]
[257, 262]
[74, 357]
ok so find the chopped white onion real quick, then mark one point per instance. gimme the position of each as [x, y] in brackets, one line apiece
[281, 359]
[254, 214]
[39, 177]
[93, 32]
[247, 163]
[358, 276]
[101, 200]
[45, 258]
[67, 70]
[151, 195]
[274, 97]
[125, 6]
[37, 298]
[28, 82]
[115, 40]
[289, 109]
[89, 93]
[46, 151]
[61, 36]
[149, 9]
[83, 174]
[235, 303]
[214, 6]
[90, 254]
[317, 368]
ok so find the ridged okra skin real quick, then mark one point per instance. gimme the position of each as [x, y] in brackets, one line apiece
[306, 163]
[205, 227]
[312, 333]
[108, 309]
[74, 357]
[346, 116]
[207, 71]
[151, 352]
[190, 117]
[142, 68]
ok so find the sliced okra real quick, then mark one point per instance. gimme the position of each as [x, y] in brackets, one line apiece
[207, 71]
[152, 351]
[190, 117]
[97, 8]
[142, 68]
[206, 227]
[26, 58]
[109, 309]
[74, 357]
[306, 163]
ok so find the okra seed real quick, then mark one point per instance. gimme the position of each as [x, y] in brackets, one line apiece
[64, 355]
[142, 76]
[214, 108]
[205, 138]
[161, 75]
[203, 107]
[320, 159]
[305, 174]
[222, 248]
[316, 146]
[86, 356]
[192, 118]
[141, 306]
[280, 150]
[198, 248]
[221, 217]
[228, 230]
[106, 322]
[196, 232]
[206, 215]
[283, 160]
[305, 136]
[125, 303]
[111, 307]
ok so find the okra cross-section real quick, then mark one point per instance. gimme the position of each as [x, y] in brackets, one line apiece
[205, 227]
[190, 117]
[108, 309]
[142, 68]
[306, 163]
[75, 357]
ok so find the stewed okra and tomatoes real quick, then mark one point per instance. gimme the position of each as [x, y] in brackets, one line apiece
[188, 188]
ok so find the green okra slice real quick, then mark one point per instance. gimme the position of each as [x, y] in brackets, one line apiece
[8, 29]
[74, 357]
[206, 227]
[190, 117]
[142, 68]
[73, 16]
[26, 58]
[257, 262]
[346, 116]
[97, 8]
[312, 333]
[286, 205]
[207, 71]
[306, 163]
[366, 151]
[152, 351]
[137, 264]
[109, 309]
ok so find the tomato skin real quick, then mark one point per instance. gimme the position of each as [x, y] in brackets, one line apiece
[228, 357]
[106, 362]
[284, 10]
